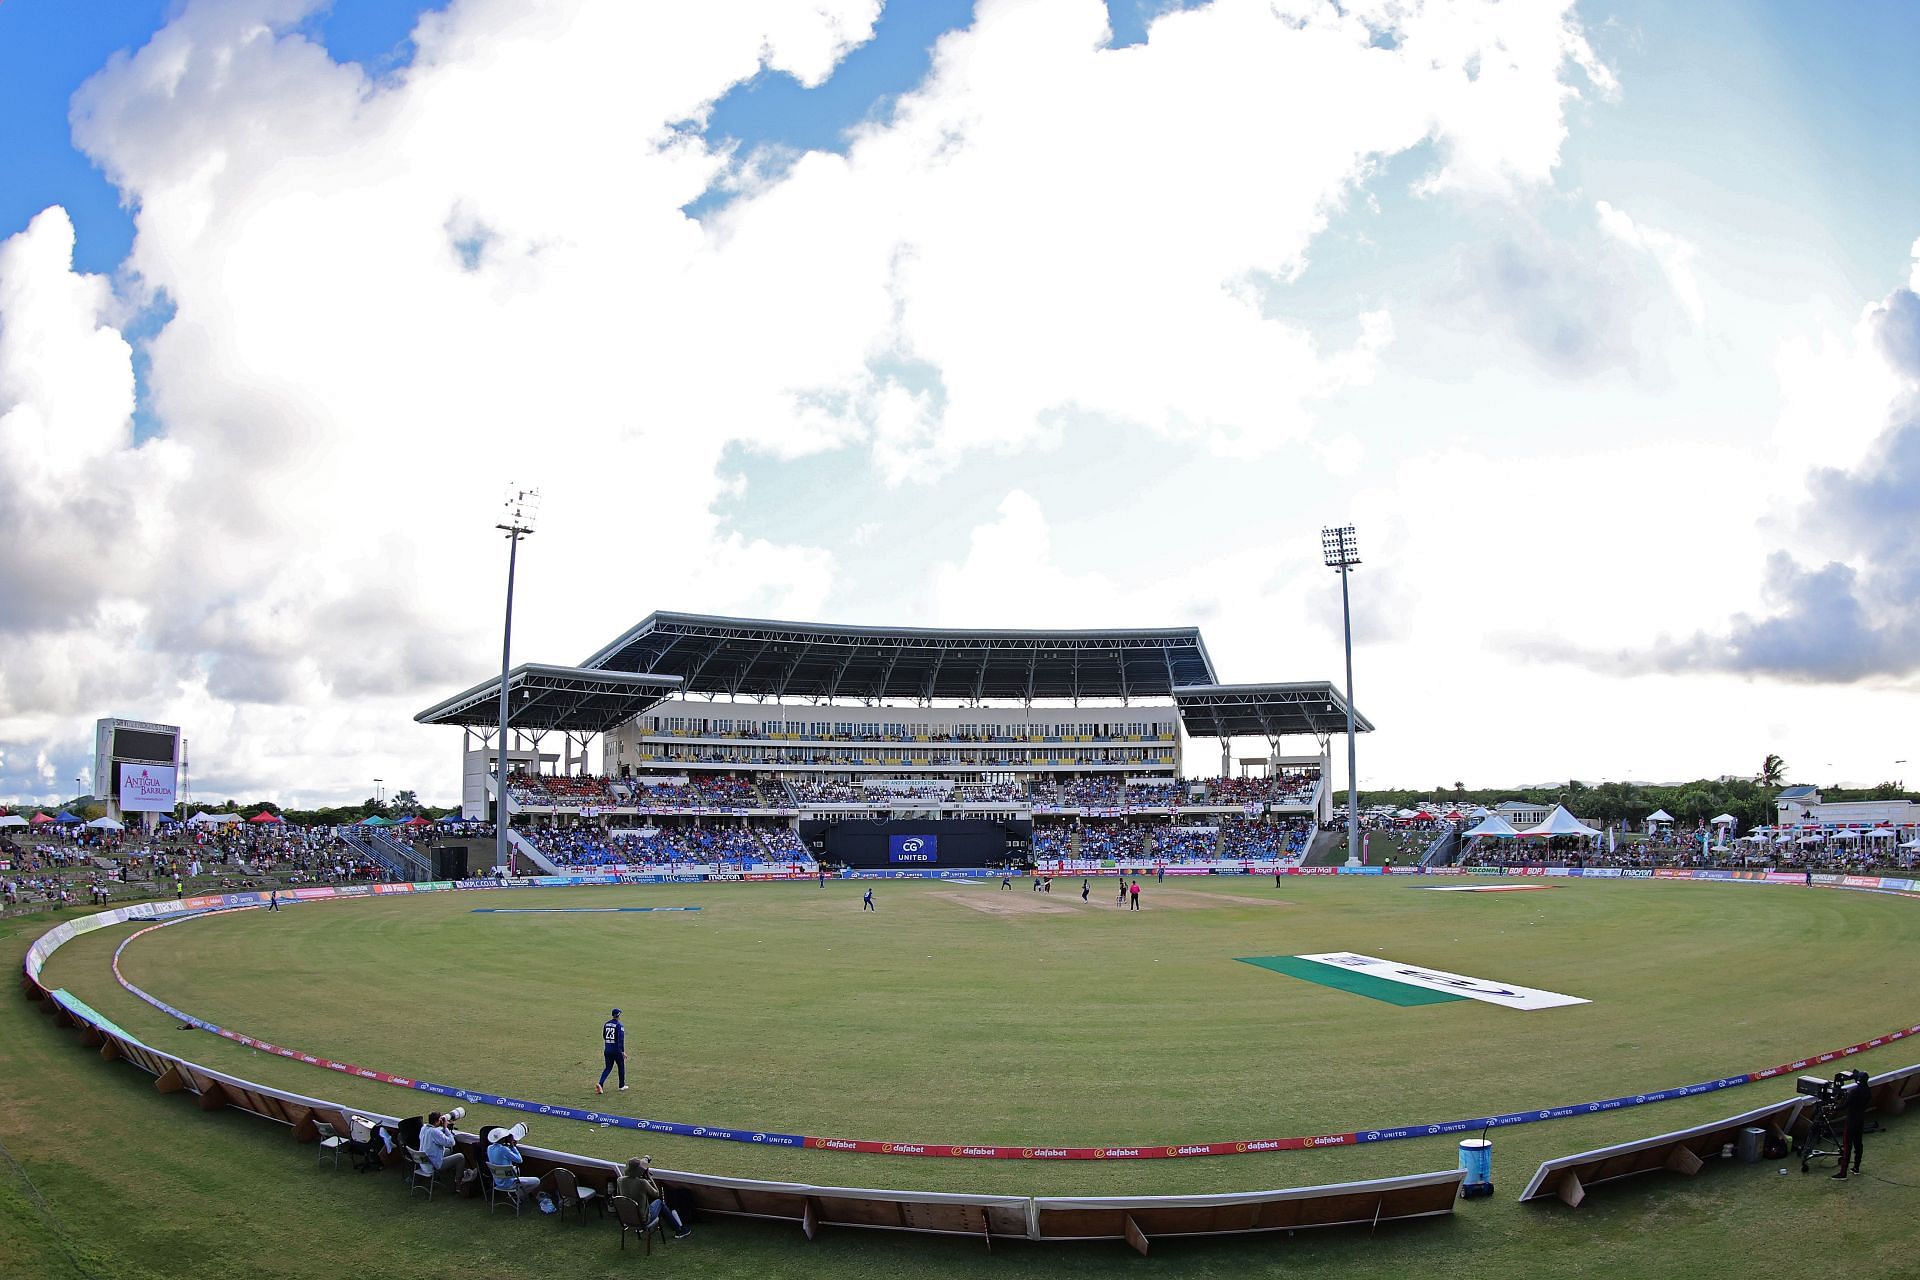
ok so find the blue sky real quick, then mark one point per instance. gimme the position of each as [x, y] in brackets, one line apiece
[1588, 347]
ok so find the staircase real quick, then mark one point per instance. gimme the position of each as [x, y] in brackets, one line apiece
[1444, 851]
[399, 861]
[526, 849]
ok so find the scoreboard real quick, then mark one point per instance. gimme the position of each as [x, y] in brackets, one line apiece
[135, 765]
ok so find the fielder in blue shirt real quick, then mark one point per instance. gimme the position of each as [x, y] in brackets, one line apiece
[613, 1043]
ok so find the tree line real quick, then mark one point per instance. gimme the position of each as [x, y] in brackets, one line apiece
[1750, 800]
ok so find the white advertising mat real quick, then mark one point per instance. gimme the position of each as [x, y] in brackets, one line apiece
[1506, 994]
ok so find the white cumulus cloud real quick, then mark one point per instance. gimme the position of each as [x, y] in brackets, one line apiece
[392, 295]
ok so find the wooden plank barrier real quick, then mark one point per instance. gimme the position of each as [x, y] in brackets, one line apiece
[1139, 1220]
[1686, 1151]
[1894, 1091]
[1568, 1178]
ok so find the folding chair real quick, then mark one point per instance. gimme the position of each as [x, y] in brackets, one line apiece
[567, 1192]
[331, 1143]
[421, 1175]
[503, 1183]
[629, 1214]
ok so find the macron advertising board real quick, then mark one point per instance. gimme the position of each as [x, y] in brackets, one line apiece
[913, 848]
[146, 788]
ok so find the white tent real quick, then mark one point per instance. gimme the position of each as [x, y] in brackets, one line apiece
[1478, 811]
[212, 819]
[12, 820]
[1560, 823]
[1659, 815]
[1491, 825]
[1404, 813]
[1880, 833]
[106, 824]
[1845, 835]
[1911, 843]
[1724, 820]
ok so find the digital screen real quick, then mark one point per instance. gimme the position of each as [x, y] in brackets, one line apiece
[143, 744]
[146, 788]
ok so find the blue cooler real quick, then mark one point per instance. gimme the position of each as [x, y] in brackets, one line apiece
[1476, 1157]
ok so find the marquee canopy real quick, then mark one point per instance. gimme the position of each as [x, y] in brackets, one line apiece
[1491, 825]
[1560, 823]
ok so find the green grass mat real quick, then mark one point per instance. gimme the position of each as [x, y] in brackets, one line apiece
[1361, 984]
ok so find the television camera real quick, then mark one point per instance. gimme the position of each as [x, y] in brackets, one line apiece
[1827, 1117]
[1829, 1093]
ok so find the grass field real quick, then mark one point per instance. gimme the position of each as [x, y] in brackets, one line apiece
[968, 1014]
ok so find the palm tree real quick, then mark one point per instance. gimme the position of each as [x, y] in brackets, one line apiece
[1773, 771]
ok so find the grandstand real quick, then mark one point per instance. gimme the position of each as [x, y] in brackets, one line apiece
[735, 739]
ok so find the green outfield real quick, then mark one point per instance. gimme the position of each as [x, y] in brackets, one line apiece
[962, 1014]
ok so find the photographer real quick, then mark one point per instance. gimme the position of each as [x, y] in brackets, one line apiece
[503, 1155]
[436, 1145]
[637, 1185]
[1855, 1099]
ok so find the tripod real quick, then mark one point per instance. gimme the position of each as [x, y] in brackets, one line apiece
[1823, 1126]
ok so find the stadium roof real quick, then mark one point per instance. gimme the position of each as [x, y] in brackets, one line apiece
[750, 657]
[566, 698]
[1265, 710]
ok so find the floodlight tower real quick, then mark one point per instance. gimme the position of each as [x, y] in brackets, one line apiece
[1340, 548]
[517, 516]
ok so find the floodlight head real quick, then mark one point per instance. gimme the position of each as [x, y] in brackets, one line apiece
[519, 509]
[1339, 546]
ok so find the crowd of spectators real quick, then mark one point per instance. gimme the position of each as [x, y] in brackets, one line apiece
[1079, 793]
[558, 790]
[736, 791]
[1156, 795]
[990, 793]
[1121, 843]
[1264, 841]
[1052, 840]
[590, 846]
[825, 791]
[762, 733]
[1838, 858]
[1185, 844]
